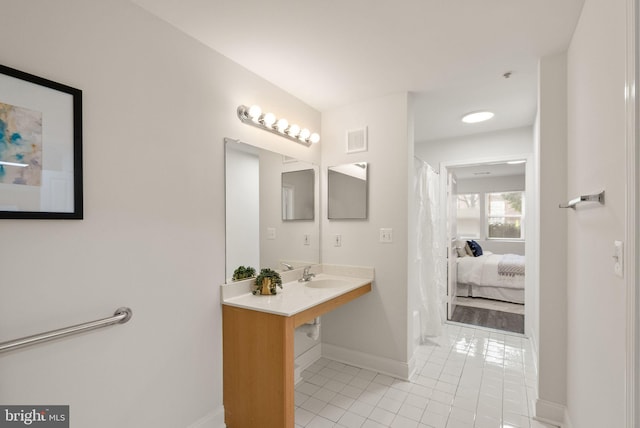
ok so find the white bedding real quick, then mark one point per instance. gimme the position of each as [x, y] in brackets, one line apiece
[484, 270]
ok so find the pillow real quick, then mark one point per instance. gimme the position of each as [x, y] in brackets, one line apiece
[467, 249]
[476, 249]
[460, 248]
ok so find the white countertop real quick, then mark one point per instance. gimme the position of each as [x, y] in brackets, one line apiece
[296, 296]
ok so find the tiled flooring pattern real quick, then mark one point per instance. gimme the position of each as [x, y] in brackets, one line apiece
[468, 378]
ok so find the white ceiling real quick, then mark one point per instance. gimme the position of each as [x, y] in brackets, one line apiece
[331, 53]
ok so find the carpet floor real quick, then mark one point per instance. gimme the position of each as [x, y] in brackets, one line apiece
[489, 318]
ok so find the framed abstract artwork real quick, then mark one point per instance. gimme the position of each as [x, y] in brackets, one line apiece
[40, 148]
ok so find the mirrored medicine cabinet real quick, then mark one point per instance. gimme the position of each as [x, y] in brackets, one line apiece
[347, 191]
[298, 196]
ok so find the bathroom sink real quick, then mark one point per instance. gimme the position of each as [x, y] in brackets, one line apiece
[327, 283]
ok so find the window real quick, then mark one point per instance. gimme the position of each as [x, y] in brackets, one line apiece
[497, 215]
[505, 215]
[468, 215]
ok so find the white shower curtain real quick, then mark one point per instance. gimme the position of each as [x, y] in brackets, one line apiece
[430, 275]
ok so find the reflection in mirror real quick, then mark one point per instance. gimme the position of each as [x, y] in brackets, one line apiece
[347, 189]
[298, 195]
[256, 234]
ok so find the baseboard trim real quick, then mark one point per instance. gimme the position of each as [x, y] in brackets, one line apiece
[394, 368]
[551, 413]
[411, 366]
[567, 419]
[213, 419]
[304, 360]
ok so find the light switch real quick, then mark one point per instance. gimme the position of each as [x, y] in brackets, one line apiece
[618, 258]
[307, 239]
[337, 241]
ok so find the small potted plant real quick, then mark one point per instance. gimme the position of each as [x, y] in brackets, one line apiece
[243, 273]
[267, 281]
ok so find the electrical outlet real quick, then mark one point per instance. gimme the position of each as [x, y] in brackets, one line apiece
[307, 239]
[386, 235]
[271, 233]
[337, 241]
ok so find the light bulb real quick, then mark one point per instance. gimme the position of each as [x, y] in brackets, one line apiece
[304, 134]
[294, 130]
[282, 125]
[269, 119]
[314, 138]
[254, 112]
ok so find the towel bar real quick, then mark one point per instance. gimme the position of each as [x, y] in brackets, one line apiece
[598, 197]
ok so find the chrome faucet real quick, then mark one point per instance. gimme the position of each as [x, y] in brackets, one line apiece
[287, 265]
[306, 275]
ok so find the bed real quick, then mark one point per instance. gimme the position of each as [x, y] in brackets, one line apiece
[492, 276]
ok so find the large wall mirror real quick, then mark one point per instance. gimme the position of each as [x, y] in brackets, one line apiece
[348, 191]
[257, 234]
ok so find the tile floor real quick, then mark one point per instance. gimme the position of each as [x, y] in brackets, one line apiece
[468, 378]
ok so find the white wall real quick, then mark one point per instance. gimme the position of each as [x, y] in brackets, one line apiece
[596, 161]
[157, 105]
[509, 183]
[551, 161]
[518, 141]
[371, 330]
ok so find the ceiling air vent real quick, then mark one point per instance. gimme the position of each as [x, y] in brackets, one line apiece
[357, 140]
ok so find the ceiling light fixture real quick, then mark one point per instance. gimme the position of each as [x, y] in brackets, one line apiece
[253, 116]
[477, 116]
[516, 162]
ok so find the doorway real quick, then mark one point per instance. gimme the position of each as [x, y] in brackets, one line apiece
[486, 222]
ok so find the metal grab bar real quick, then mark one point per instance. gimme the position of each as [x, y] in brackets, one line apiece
[599, 197]
[121, 316]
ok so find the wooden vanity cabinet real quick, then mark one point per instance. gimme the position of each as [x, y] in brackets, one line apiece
[258, 363]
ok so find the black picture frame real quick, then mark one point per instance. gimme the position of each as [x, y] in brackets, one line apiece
[40, 171]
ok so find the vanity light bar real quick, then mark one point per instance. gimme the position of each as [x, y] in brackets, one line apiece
[254, 116]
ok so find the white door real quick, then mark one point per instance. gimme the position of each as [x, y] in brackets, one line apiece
[452, 232]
